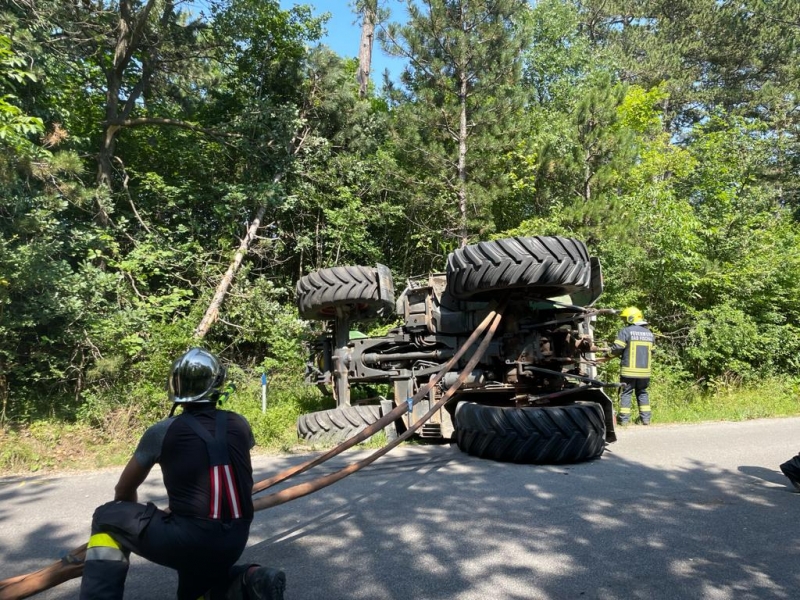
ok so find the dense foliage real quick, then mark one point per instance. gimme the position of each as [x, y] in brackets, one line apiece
[141, 138]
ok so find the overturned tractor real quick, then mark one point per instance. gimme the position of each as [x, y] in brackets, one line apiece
[533, 396]
[526, 393]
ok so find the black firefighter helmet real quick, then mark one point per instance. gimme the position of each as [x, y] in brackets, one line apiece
[197, 376]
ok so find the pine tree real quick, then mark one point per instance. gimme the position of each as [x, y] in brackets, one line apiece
[461, 100]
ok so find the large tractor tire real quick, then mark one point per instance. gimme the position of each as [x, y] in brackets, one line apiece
[363, 292]
[538, 435]
[336, 425]
[547, 265]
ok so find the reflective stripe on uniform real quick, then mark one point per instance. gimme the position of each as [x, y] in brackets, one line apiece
[624, 410]
[102, 546]
[215, 504]
[638, 360]
[634, 373]
[223, 484]
[233, 496]
[104, 540]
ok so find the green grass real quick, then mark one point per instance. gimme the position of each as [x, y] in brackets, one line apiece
[50, 445]
[682, 403]
[275, 430]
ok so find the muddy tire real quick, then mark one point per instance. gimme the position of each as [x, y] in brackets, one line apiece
[544, 435]
[364, 292]
[547, 265]
[336, 425]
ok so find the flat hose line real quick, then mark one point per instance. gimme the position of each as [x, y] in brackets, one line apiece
[71, 566]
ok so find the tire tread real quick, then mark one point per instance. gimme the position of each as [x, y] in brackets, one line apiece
[338, 424]
[552, 265]
[319, 293]
[536, 435]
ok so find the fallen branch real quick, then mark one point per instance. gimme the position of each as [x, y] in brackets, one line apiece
[212, 312]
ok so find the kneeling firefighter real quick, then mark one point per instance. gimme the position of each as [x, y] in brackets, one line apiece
[204, 455]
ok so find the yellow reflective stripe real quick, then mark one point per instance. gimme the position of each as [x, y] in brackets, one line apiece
[635, 350]
[644, 407]
[102, 539]
[632, 366]
[633, 372]
[624, 410]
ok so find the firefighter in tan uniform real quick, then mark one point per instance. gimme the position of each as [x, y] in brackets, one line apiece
[634, 345]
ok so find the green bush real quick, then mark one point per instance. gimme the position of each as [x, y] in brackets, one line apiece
[275, 429]
[727, 343]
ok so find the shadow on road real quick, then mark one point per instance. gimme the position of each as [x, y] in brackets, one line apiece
[437, 524]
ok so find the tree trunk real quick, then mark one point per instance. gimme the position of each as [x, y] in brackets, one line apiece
[587, 181]
[130, 33]
[368, 18]
[462, 162]
[3, 394]
[212, 312]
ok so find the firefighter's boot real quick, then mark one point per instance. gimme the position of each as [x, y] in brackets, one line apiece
[264, 583]
[791, 468]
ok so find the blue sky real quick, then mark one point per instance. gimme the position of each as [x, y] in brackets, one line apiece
[344, 32]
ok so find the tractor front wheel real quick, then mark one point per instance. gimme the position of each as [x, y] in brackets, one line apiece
[363, 292]
[545, 266]
[336, 425]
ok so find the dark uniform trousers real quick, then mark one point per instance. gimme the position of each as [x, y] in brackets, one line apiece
[637, 386]
[202, 551]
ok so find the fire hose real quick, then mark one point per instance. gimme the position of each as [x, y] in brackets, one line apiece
[71, 565]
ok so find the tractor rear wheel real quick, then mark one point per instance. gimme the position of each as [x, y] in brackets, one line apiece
[338, 424]
[549, 265]
[538, 435]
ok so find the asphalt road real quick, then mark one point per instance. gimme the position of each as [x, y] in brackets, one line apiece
[668, 512]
